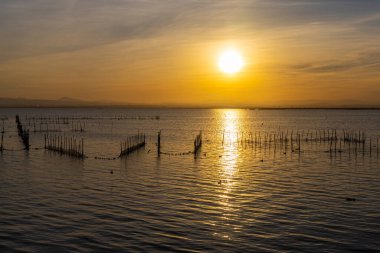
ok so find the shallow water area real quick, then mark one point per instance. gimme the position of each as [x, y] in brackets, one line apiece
[235, 195]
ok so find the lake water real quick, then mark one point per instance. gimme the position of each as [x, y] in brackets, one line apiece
[235, 196]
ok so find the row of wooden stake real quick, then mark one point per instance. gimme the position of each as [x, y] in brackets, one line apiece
[65, 145]
[132, 144]
[78, 127]
[293, 140]
[24, 134]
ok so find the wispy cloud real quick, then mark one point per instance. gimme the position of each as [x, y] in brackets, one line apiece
[36, 27]
[365, 62]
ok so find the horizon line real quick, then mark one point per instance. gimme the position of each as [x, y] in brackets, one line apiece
[192, 107]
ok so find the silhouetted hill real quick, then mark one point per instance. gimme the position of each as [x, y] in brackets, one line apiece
[62, 102]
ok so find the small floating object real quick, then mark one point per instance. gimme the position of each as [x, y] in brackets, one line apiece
[220, 182]
[262, 160]
[111, 171]
[350, 199]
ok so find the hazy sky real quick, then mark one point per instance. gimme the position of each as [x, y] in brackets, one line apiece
[165, 51]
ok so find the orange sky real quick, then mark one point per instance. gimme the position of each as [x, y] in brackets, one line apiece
[165, 52]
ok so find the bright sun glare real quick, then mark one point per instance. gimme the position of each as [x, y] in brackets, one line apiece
[230, 61]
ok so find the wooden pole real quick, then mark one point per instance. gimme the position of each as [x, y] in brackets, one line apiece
[2, 140]
[299, 144]
[159, 143]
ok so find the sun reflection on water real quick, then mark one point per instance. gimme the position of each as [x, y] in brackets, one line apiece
[229, 160]
[231, 126]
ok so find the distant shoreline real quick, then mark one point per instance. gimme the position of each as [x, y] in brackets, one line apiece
[72, 103]
[187, 107]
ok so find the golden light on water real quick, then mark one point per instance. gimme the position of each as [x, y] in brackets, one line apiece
[229, 168]
[231, 126]
[230, 148]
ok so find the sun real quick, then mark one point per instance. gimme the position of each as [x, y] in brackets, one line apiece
[230, 61]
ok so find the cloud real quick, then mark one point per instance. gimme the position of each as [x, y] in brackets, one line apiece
[35, 27]
[368, 61]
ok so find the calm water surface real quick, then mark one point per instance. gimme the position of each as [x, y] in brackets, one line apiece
[235, 197]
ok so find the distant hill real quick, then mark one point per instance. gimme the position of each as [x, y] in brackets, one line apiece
[62, 102]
